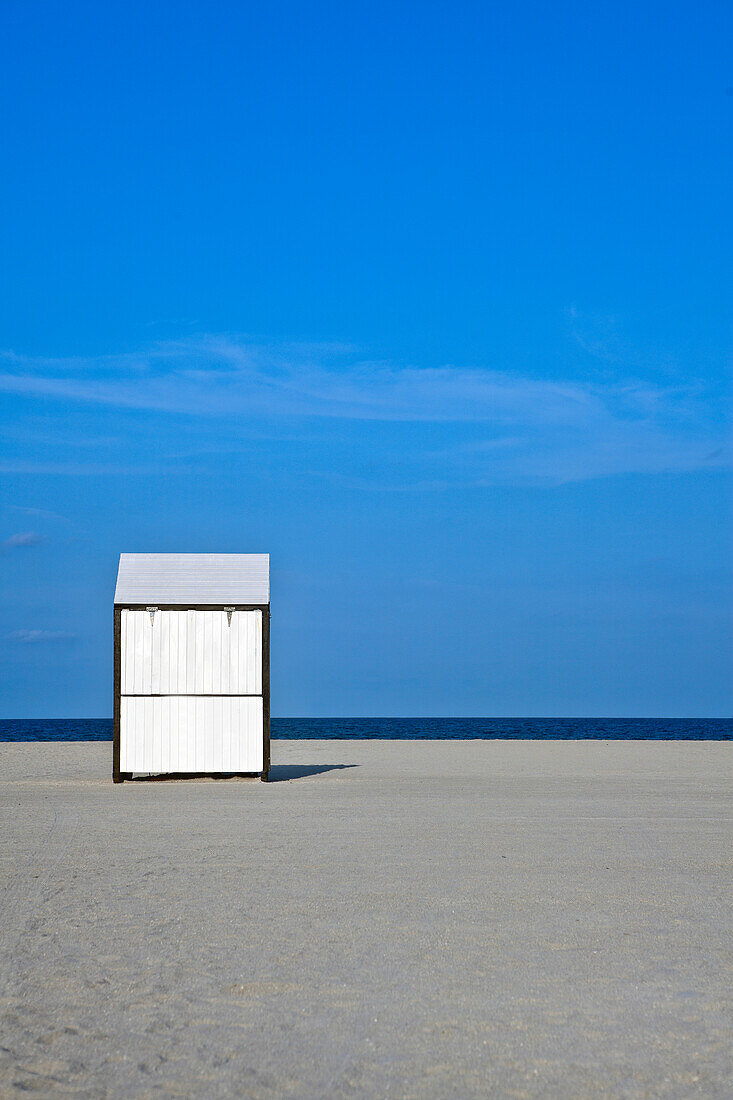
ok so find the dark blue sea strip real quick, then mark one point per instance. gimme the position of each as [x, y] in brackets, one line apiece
[407, 729]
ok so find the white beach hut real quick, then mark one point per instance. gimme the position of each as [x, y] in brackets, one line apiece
[192, 665]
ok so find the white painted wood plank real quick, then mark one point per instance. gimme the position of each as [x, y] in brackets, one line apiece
[131, 748]
[129, 751]
[205, 652]
[190, 647]
[199, 717]
[216, 743]
[174, 663]
[144, 653]
[216, 643]
[147, 749]
[199, 733]
[226, 755]
[125, 651]
[199, 620]
[155, 734]
[137, 655]
[215, 649]
[182, 653]
[156, 664]
[125, 709]
[233, 639]
[249, 640]
[138, 742]
[148, 746]
[191, 652]
[257, 670]
[129, 652]
[165, 736]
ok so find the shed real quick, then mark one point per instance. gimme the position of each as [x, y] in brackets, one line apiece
[192, 665]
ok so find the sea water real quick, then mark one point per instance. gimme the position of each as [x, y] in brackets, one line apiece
[394, 729]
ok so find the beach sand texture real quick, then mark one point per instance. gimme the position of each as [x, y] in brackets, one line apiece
[403, 919]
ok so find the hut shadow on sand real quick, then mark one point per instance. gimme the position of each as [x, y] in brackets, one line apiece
[282, 773]
[279, 774]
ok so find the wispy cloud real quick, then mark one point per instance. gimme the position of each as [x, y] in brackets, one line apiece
[41, 513]
[23, 539]
[221, 376]
[596, 334]
[76, 469]
[535, 428]
[605, 339]
[35, 637]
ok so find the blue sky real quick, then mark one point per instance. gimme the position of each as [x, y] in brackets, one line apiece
[430, 301]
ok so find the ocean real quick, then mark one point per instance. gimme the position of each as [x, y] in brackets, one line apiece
[395, 729]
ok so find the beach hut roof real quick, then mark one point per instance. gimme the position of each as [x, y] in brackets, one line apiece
[193, 579]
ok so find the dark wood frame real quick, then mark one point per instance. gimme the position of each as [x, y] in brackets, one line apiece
[119, 776]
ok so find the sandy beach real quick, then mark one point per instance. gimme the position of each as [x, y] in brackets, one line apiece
[407, 919]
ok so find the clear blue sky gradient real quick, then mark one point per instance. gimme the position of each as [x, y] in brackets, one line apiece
[432, 301]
